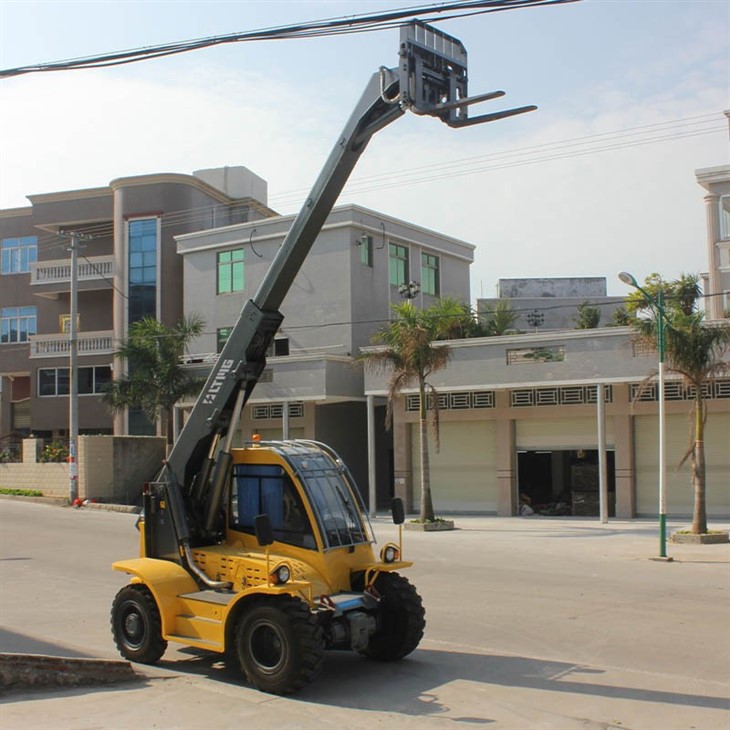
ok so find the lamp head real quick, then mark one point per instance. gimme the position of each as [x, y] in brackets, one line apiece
[627, 278]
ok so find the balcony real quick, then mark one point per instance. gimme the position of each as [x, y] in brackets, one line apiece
[58, 345]
[55, 276]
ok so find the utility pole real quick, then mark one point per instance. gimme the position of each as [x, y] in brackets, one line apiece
[73, 395]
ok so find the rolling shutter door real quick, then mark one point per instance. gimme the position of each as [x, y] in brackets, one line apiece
[560, 434]
[680, 495]
[464, 472]
[20, 418]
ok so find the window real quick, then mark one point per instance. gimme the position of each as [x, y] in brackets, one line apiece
[535, 355]
[230, 271]
[142, 269]
[17, 324]
[366, 250]
[398, 264]
[92, 380]
[221, 337]
[64, 323]
[279, 347]
[267, 489]
[724, 218]
[18, 254]
[430, 274]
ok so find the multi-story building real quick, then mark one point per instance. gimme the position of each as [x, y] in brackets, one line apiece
[313, 386]
[716, 181]
[128, 268]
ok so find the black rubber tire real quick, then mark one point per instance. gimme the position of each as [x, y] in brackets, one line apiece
[280, 645]
[136, 625]
[401, 619]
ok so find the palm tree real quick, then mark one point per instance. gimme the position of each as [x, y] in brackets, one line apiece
[410, 356]
[155, 380]
[695, 350]
[499, 318]
[588, 316]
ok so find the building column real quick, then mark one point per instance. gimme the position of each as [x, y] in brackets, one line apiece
[506, 467]
[715, 308]
[623, 430]
[372, 479]
[285, 420]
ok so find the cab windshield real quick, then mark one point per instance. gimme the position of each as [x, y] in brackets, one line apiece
[337, 507]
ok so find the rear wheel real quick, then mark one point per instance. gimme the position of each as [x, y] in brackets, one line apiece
[279, 644]
[136, 625]
[401, 619]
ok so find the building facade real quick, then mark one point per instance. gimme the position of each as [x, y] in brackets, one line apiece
[519, 420]
[313, 385]
[716, 182]
[128, 268]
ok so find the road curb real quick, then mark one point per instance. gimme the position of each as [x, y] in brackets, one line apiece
[63, 502]
[129, 508]
[24, 671]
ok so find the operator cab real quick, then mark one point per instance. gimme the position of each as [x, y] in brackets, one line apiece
[328, 506]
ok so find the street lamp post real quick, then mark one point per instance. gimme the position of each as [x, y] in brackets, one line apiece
[658, 304]
[410, 290]
[535, 318]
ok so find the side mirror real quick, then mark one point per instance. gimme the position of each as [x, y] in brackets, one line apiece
[396, 508]
[264, 530]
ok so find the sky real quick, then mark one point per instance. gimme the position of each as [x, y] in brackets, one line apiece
[600, 179]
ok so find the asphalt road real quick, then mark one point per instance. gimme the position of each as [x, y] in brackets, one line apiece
[532, 623]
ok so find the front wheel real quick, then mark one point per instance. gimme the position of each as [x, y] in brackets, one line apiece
[401, 619]
[279, 644]
[136, 625]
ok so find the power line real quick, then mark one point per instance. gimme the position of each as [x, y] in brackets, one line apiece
[520, 157]
[363, 23]
[666, 131]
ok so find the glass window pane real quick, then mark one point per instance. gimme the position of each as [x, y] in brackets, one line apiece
[62, 381]
[224, 279]
[47, 382]
[85, 380]
[102, 378]
[237, 284]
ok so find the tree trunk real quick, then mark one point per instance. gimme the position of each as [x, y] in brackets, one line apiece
[699, 519]
[426, 501]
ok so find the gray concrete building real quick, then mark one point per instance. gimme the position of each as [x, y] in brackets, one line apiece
[552, 303]
[519, 417]
[313, 385]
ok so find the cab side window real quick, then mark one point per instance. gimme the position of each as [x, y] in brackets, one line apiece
[267, 489]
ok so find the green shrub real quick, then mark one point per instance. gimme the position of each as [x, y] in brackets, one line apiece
[22, 492]
[56, 452]
[8, 456]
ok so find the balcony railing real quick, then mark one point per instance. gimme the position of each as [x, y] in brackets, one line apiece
[58, 345]
[59, 271]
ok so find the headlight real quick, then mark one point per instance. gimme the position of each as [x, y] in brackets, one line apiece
[281, 574]
[390, 553]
